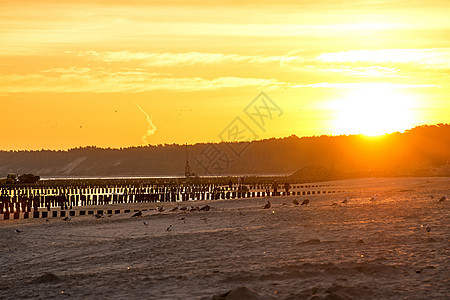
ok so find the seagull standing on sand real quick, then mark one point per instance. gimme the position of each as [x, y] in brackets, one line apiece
[305, 202]
[67, 219]
[345, 201]
[374, 198]
[161, 208]
[428, 228]
[268, 205]
[443, 198]
[183, 219]
[295, 202]
[18, 230]
[145, 223]
[169, 229]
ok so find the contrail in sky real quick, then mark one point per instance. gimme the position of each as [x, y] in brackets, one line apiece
[151, 128]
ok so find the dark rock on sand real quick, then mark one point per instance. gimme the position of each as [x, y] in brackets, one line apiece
[310, 242]
[46, 278]
[240, 293]
[334, 292]
[206, 208]
[137, 214]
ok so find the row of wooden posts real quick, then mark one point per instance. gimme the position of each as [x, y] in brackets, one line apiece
[31, 199]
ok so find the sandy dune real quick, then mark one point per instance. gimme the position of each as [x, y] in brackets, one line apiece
[324, 250]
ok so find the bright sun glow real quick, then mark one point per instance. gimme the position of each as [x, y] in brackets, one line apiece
[374, 110]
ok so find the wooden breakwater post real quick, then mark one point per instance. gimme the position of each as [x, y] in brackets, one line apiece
[32, 201]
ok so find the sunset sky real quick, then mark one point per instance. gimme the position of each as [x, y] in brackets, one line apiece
[129, 73]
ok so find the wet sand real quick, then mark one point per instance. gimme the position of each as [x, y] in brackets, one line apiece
[326, 250]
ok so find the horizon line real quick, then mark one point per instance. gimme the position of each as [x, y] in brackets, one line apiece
[217, 143]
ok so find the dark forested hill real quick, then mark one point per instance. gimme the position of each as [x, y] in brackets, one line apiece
[421, 151]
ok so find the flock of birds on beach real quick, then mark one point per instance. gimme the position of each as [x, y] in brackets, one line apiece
[161, 209]
[268, 205]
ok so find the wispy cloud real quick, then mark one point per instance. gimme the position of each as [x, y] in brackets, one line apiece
[358, 85]
[355, 62]
[429, 58]
[126, 71]
[111, 82]
[69, 70]
[186, 59]
[134, 82]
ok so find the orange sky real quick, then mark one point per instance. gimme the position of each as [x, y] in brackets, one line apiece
[84, 73]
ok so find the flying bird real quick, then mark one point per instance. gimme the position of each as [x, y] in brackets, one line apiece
[137, 214]
[305, 202]
[268, 205]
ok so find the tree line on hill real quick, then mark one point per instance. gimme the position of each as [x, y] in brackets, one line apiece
[421, 151]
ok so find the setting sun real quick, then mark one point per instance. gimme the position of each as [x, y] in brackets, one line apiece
[374, 110]
[74, 72]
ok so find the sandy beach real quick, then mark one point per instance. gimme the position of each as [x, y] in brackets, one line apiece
[363, 249]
